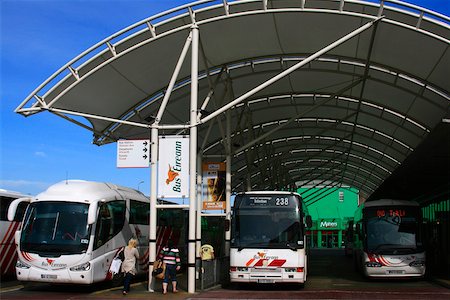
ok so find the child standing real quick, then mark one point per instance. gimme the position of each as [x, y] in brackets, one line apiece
[171, 257]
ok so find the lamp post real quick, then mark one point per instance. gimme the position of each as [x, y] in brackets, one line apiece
[142, 181]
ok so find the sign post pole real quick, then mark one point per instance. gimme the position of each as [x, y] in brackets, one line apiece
[193, 159]
[153, 196]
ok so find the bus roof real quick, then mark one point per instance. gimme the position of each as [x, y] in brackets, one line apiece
[12, 194]
[87, 192]
[389, 202]
[268, 192]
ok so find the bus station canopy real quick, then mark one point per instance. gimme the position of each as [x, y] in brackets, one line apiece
[336, 93]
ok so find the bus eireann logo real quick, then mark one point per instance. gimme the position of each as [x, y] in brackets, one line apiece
[171, 174]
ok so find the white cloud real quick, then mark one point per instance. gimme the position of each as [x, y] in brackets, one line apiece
[40, 154]
[24, 186]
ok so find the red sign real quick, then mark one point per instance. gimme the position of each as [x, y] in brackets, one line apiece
[391, 213]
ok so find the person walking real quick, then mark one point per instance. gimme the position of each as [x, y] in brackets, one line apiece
[131, 254]
[170, 255]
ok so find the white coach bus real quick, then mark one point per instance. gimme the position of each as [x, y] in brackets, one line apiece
[268, 238]
[8, 254]
[387, 239]
[71, 232]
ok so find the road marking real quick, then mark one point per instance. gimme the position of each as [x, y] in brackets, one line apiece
[11, 288]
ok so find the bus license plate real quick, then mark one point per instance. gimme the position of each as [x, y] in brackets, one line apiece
[48, 276]
[395, 272]
[266, 281]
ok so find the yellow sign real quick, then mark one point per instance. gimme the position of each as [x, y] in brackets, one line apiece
[207, 252]
[214, 186]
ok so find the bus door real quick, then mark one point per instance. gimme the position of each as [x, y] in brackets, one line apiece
[110, 222]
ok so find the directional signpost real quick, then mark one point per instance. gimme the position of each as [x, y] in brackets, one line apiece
[133, 153]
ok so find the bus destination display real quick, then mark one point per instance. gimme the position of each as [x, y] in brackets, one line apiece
[279, 201]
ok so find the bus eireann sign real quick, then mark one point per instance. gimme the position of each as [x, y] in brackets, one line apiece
[173, 167]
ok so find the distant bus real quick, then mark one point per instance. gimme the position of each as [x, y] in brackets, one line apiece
[8, 255]
[387, 239]
[72, 231]
[268, 238]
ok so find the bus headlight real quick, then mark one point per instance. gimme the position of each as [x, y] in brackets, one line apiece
[373, 264]
[289, 269]
[20, 264]
[417, 263]
[83, 267]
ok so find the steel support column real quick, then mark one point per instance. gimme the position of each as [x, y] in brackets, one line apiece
[228, 182]
[199, 214]
[153, 212]
[193, 160]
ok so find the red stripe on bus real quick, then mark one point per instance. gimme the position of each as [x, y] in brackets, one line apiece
[159, 233]
[277, 263]
[6, 252]
[8, 232]
[259, 263]
[384, 261]
[249, 262]
[11, 259]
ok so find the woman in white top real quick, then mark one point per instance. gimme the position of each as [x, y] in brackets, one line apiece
[129, 264]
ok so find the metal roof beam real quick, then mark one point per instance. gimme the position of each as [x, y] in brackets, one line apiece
[173, 79]
[291, 69]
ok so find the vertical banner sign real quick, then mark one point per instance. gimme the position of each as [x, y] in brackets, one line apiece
[173, 167]
[214, 186]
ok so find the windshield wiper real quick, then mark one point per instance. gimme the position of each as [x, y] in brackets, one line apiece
[385, 246]
[248, 245]
[293, 248]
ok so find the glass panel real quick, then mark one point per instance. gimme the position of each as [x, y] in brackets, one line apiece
[139, 212]
[393, 229]
[111, 218]
[267, 221]
[55, 228]
[4, 204]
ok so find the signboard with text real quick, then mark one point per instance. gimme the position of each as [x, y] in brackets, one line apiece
[173, 167]
[133, 153]
[214, 186]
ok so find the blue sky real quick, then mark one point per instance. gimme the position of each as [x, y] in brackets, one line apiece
[37, 38]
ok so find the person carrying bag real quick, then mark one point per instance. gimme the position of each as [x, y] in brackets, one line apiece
[129, 264]
[170, 256]
[159, 268]
[116, 262]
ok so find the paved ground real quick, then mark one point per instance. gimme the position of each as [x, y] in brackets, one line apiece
[331, 277]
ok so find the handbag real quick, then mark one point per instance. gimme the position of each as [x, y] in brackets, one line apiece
[115, 265]
[159, 269]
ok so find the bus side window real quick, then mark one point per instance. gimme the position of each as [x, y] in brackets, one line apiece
[4, 204]
[110, 222]
[139, 213]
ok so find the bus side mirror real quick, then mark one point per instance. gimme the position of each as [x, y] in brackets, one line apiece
[92, 213]
[308, 221]
[12, 209]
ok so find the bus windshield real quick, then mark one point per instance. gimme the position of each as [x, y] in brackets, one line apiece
[262, 222]
[55, 228]
[393, 231]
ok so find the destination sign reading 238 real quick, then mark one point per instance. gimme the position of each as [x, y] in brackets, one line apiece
[268, 201]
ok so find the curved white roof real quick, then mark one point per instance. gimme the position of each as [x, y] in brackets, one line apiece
[87, 191]
[350, 116]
